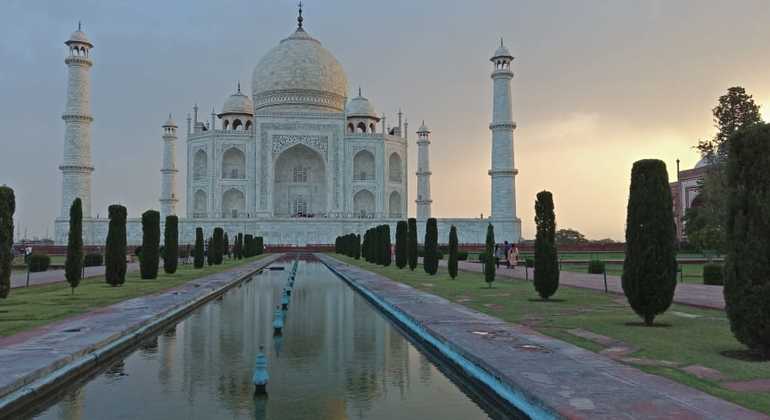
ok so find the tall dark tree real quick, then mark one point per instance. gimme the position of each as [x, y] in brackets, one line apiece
[226, 246]
[387, 254]
[259, 245]
[430, 260]
[411, 243]
[401, 231]
[452, 265]
[736, 109]
[747, 266]
[248, 246]
[546, 279]
[649, 270]
[489, 261]
[148, 264]
[210, 253]
[115, 248]
[7, 209]
[171, 244]
[218, 242]
[198, 259]
[357, 244]
[73, 265]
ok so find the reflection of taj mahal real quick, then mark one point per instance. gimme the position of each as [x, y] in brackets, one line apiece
[296, 162]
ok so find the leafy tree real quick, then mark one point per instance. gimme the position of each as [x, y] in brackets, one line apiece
[747, 265]
[736, 109]
[704, 229]
[546, 279]
[649, 269]
[411, 243]
[7, 208]
[430, 260]
[115, 248]
[570, 237]
[171, 244]
[73, 265]
[452, 266]
[199, 258]
[489, 261]
[401, 232]
[148, 264]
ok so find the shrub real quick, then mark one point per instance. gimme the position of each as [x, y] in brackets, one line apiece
[93, 260]
[411, 243]
[596, 267]
[452, 266]
[712, 274]
[73, 264]
[148, 264]
[529, 262]
[39, 262]
[462, 255]
[430, 261]
[747, 266]
[546, 280]
[401, 251]
[649, 270]
[482, 257]
[489, 262]
[199, 258]
[115, 248]
[7, 208]
[171, 241]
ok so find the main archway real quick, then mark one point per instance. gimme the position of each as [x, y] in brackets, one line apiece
[363, 204]
[299, 183]
[233, 204]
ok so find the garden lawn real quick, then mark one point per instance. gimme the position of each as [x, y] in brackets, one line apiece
[27, 308]
[687, 336]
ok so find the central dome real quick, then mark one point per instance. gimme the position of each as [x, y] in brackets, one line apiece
[299, 73]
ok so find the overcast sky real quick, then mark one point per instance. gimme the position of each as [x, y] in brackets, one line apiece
[598, 85]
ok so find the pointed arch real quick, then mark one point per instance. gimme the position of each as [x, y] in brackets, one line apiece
[200, 164]
[237, 124]
[233, 204]
[200, 204]
[363, 204]
[363, 166]
[394, 205]
[395, 170]
[361, 127]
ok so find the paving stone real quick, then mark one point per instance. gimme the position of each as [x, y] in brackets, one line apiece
[596, 338]
[704, 372]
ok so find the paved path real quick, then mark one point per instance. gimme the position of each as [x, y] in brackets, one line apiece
[698, 295]
[549, 377]
[19, 279]
[78, 344]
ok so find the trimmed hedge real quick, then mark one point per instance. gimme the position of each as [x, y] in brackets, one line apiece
[596, 267]
[115, 249]
[148, 264]
[529, 262]
[199, 258]
[452, 266]
[546, 279]
[39, 262]
[411, 243]
[171, 247]
[7, 208]
[430, 260]
[93, 260]
[712, 274]
[73, 264]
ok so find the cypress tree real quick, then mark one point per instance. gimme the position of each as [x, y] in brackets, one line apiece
[7, 209]
[218, 241]
[387, 256]
[357, 244]
[546, 279]
[198, 258]
[240, 246]
[73, 265]
[227, 245]
[248, 246]
[115, 248]
[401, 231]
[747, 265]
[452, 266]
[210, 253]
[430, 260]
[171, 244]
[411, 243]
[260, 246]
[489, 261]
[649, 270]
[148, 264]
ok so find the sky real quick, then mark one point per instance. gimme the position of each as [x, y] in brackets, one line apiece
[598, 85]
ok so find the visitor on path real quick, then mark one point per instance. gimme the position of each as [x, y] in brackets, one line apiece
[506, 252]
[499, 254]
[513, 256]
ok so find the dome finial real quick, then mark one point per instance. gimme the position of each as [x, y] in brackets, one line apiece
[239, 86]
[299, 17]
[80, 25]
[501, 41]
[359, 91]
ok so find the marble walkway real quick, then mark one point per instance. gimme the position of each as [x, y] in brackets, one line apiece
[19, 278]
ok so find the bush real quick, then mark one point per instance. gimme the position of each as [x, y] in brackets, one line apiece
[747, 266]
[115, 249]
[93, 260]
[596, 267]
[482, 257]
[529, 262]
[39, 262]
[546, 280]
[712, 274]
[462, 255]
[649, 270]
[199, 258]
[7, 208]
[171, 247]
[411, 243]
[148, 264]
[73, 264]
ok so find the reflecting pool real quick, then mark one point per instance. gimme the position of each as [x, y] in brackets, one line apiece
[338, 358]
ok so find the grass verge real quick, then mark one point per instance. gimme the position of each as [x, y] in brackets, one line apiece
[689, 336]
[27, 308]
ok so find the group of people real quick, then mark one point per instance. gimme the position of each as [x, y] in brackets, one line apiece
[507, 254]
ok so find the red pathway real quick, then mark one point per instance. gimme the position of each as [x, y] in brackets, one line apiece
[698, 295]
[19, 279]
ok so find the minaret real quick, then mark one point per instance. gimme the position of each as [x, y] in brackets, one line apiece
[77, 166]
[503, 172]
[423, 173]
[168, 172]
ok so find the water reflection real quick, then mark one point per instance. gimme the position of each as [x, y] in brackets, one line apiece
[336, 359]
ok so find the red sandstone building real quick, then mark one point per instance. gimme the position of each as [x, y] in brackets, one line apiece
[684, 192]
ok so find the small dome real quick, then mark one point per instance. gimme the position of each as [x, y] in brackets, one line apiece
[502, 52]
[79, 37]
[169, 122]
[238, 103]
[704, 162]
[361, 107]
[423, 128]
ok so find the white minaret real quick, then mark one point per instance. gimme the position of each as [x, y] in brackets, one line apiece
[76, 165]
[503, 172]
[168, 172]
[423, 172]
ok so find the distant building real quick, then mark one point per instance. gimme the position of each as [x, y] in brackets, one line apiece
[684, 192]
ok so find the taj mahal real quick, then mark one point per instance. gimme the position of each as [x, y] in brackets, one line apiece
[297, 161]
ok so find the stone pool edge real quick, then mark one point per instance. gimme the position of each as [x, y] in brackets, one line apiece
[32, 388]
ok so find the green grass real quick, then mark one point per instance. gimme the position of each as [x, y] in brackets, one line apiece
[684, 341]
[27, 308]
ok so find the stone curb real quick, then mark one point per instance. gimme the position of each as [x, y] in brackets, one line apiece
[35, 385]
